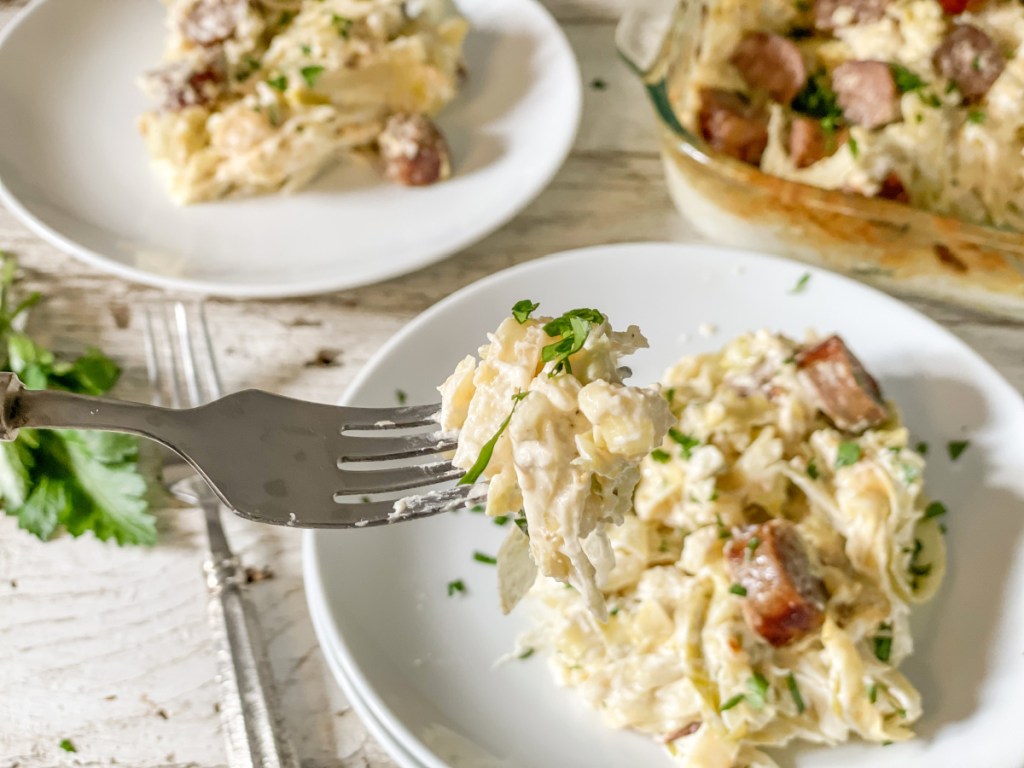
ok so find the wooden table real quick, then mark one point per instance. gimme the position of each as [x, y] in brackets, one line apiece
[109, 647]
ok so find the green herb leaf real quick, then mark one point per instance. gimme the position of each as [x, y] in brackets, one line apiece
[342, 25]
[794, 691]
[522, 310]
[456, 586]
[311, 74]
[660, 456]
[732, 702]
[801, 284]
[488, 448]
[738, 589]
[752, 544]
[573, 328]
[905, 80]
[854, 147]
[817, 99]
[935, 509]
[911, 473]
[723, 532]
[758, 687]
[848, 453]
[401, 396]
[812, 469]
[976, 116]
[279, 83]
[67, 746]
[873, 693]
[527, 653]
[477, 509]
[501, 519]
[686, 442]
[957, 447]
[522, 525]
[922, 448]
[882, 647]
[480, 557]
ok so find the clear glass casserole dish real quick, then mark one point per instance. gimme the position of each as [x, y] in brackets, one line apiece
[890, 244]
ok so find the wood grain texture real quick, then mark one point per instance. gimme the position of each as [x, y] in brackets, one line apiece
[109, 647]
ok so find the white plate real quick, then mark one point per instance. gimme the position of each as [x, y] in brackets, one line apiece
[74, 169]
[423, 662]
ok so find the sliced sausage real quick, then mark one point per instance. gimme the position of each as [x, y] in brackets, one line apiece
[732, 125]
[209, 22]
[414, 151]
[809, 142]
[867, 93]
[830, 14]
[771, 63]
[893, 188]
[971, 59]
[184, 84]
[784, 599]
[844, 391]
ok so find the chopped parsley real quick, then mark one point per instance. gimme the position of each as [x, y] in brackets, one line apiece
[501, 520]
[572, 328]
[614, 610]
[817, 99]
[935, 509]
[976, 116]
[456, 586]
[306, 50]
[801, 284]
[930, 99]
[723, 532]
[976, 63]
[311, 74]
[854, 148]
[477, 509]
[401, 396]
[758, 686]
[522, 310]
[882, 643]
[812, 469]
[848, 453]
[598, 84]
[794, 691]
[527, 653]
[957, 447]
[731, 702]
[752, 544]
[738, 589]
[660, 456]
[68, 746]
[279, 83]
[922, 448]
[873, 693]
[906, 81]
[686, 442]
[521, 525]
[286, 18]
[342, 25]
[480, 557]
[910, 472]
[488, 449]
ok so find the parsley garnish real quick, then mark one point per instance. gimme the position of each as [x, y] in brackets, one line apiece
[614, 611]
[812, 469]
[976, 116]
[488, 449]
[598, 84]
[930, 99]
[976, 63]
[573, 327]
[501, 520]
[801, 284]
[873, 693]
[794, 691]
[854, 148]
[935, 509]
[848, 453]
[723, 532]
[311, 74]
[68, 746]
[522, 310]
[660, 456]
[477, 509]
[752, 544]
[905, 80]
[957, 447]
[670, 394]
[480, 557]
[758, 687]
[401, 396]
[342, 25]
[922, 448]
[738, 589]
[732, 702]
[286, 18]
[526, 654]
[279, 83]
[910, 472]
[817, 99]
[83, 481]
[883, 643]
[522, 525]
[306, 50]
[456, 586]
[686, 442]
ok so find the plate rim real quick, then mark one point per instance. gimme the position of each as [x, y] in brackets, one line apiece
[306, 286]
[311, 538]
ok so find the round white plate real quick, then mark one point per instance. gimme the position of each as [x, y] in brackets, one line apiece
[424, 663]
[73, 166]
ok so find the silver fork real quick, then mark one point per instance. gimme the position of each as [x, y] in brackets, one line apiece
[250, 711]
[273, 459]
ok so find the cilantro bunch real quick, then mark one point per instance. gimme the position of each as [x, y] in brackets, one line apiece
[83, 481]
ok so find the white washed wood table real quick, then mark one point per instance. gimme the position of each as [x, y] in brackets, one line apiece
[109, 647]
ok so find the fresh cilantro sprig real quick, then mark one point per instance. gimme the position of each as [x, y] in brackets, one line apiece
[572, 330]
[81, 481]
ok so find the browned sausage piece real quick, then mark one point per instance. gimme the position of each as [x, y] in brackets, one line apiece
[184, 84]
[844, 391]
[784, 600]
[893, 189]
[971, 59]
[829, 14]
[809, 142]
[209, 22]
[733, 126]
[414, 151]
[771, 63]
[867, 93]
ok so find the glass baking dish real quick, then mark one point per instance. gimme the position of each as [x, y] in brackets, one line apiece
[889, 244]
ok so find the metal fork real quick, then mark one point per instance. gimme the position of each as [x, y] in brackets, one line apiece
[250, 711]
[273, 459]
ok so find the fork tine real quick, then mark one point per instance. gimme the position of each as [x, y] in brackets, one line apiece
[360, 482]
[388, 418]
[188, 359]
[371, 513]
[152, 360]
[367, 448]
[213, 380]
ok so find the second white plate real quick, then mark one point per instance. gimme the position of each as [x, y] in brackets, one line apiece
[74, 169]
[423, 662]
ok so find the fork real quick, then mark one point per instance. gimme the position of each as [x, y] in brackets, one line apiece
[273, 459]
[250, 712]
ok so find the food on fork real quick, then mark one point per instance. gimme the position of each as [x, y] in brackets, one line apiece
[910, 100]
[762, 585]
[262, 95]
[543, 415]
